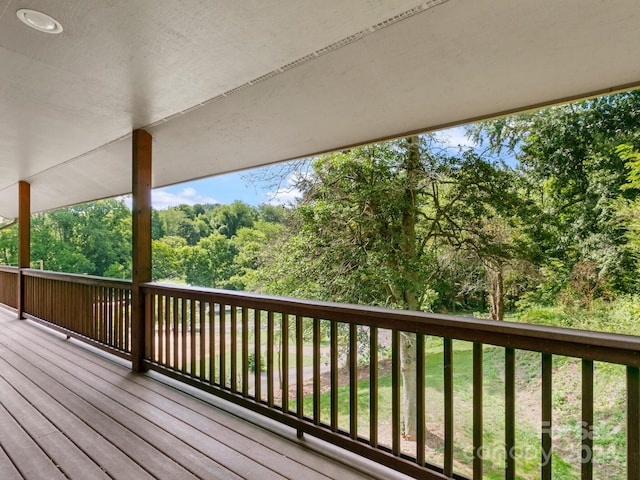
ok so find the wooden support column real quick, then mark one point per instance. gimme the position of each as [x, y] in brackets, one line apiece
[141, 251]
[24, 239]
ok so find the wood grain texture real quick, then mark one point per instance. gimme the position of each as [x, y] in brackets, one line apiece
[67, 412]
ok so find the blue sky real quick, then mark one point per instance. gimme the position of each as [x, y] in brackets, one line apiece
[220, 189]
[243, 186]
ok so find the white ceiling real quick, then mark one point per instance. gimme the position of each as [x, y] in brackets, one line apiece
[226, 85]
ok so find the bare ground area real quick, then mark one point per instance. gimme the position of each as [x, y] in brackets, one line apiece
[434, 435]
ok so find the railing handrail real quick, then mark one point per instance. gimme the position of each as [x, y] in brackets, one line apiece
[9, 269]
[602, 346]
[192, 334]
[78, 278]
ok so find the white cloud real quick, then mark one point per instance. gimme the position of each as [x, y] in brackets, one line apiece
[289, 193]
[161, 199]
[189, 192]
[455, 137]
[283, 196]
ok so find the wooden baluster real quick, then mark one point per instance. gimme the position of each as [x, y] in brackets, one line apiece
[448, 407]
[586, 471]
[547, 415]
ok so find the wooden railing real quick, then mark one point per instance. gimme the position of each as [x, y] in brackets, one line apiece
[94, 309]
[324, 374]
[9, 286]
[336, 371]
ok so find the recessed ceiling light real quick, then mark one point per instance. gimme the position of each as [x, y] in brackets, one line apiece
[39, 21]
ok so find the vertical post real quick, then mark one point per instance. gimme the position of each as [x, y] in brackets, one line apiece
[420, 403]
[633, 423]
[448, 407]
[353, 381]
[373, 386]
[24, 239]
[547, 416]
[334, 375]
[586, 459]
[395, 392]
[477, 410]
[141, 251]
[316, 371]
[510, 413]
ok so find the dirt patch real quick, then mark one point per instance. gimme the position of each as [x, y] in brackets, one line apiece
[364, 372]
[434, 433]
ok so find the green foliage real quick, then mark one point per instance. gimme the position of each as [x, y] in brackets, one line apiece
[116, 270]
[618, 316]
[628, 210]
[386, 224]
[408, 223]
[171, 219]
[252, 245]
[92, 238]
[228, 219]
[167, 259]
[215, 245]
[157, 227]
[9, 245]
[189, 231]
[95, 238]
[569, 155]
[354, 222]
[210, 262]
[288, 271]
[273, 214]
[251, 360]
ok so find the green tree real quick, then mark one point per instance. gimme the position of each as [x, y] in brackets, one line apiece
[48, 246]
[210, 263]
[228, 219]
[273, 213]
[188, 230]
[167, 259]
[93, 238]
[171, 219]
[102, 233]
[9, 245]
[629, 210]
[373, 221]
[157, 227]
[253, 246]
[569, 154]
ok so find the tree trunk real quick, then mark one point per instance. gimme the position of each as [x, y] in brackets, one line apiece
[409, 383]
[410, 280]
[496, 290]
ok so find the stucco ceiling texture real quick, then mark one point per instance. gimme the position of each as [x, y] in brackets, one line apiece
[226, 85]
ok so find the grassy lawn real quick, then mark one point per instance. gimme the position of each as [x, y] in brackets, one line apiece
[610, 409]
[610, 413]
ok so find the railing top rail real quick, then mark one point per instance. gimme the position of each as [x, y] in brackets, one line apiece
[9, 269]
[77, 278]
[609, 347]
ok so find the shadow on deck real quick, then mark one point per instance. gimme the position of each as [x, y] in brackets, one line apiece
[67, 411]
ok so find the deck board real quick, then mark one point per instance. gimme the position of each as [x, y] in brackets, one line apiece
[62, 451]
[182, 443]
[66, 412]
[97, 447]
[130, 444]
[7, 469]
[234, 433]
[29, 459]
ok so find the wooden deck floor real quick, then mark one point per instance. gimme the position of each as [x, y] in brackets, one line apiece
[67, 412]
